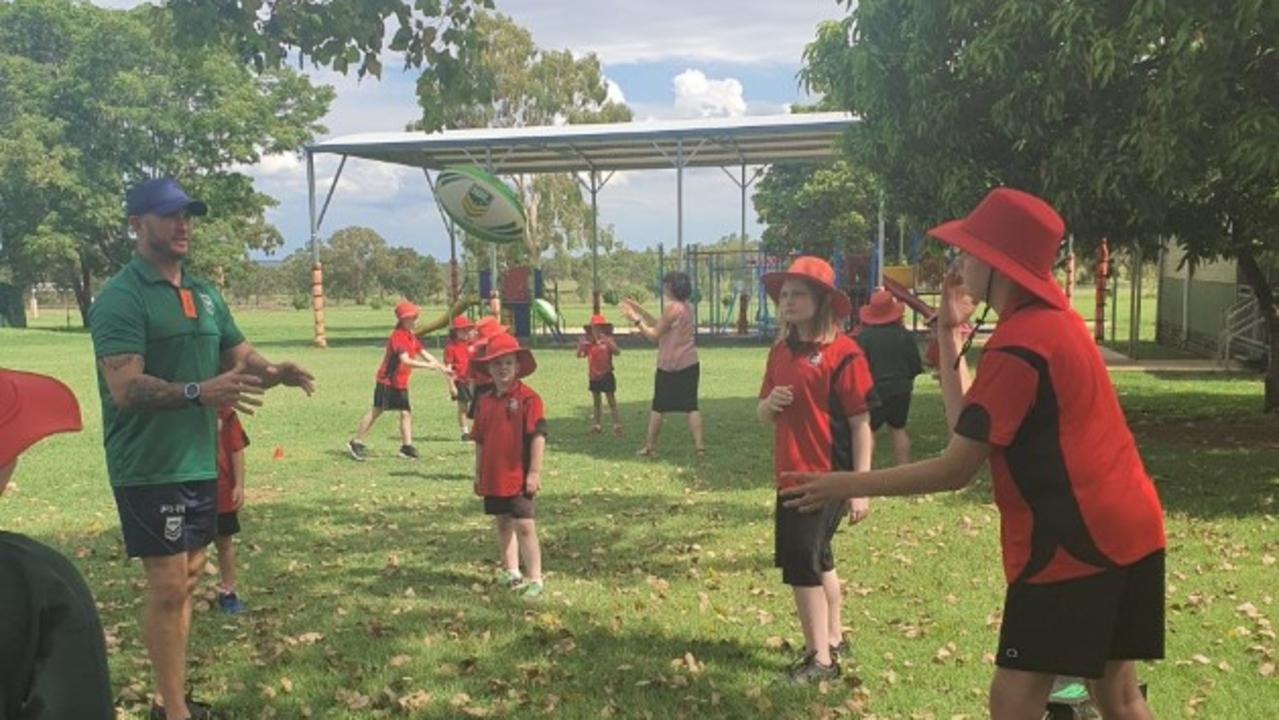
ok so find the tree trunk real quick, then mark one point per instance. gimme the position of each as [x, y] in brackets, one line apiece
[84, 292]
[1261, 288]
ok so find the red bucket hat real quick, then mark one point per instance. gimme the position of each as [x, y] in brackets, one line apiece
[488, 327]
[883, 309]
[1015, 233]
[816, 271]
[33, 407]
[504, 344]
[462, 322]
[598, 321]
[405, 309]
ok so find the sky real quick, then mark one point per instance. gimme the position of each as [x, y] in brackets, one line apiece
[665, 58]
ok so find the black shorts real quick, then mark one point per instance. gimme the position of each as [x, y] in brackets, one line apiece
[463, 393]
[519, 507]
[605, 384]
[386, 397]
[801, 542]
[893, 409]
[228, 524]
[168, 519]
[479, 390]
[676, 391]
[1074, 627]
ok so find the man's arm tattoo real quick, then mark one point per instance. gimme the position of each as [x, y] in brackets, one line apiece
[140, 391]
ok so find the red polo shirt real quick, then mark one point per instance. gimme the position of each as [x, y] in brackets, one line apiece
[393, 372]
[505, 426]
[231, 439]
[599, 356]
[1073, 495]
[457, 355]
[830, 384]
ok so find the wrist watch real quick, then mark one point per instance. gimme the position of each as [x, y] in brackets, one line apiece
[191, 391]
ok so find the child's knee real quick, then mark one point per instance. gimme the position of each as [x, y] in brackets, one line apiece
[525, 528]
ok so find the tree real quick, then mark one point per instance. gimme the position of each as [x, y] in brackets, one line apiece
[1138, 121]
[502, 79]
[816, 209]
[354, 259]
[94, 100]
[333, 33]
[415, 277]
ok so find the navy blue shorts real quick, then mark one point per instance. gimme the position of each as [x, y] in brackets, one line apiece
[386, 397]
[607, 383]
[167, 519]
[801, 542]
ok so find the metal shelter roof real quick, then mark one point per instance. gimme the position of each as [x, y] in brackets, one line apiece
[652, 144]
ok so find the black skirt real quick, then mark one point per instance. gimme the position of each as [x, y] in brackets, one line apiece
[676, 391]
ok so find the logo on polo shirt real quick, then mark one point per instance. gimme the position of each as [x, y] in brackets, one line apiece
[512, 405]
[815, 359]
[173, 528]
[208, 303]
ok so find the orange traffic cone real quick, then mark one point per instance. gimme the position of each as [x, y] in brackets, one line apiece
[279, 453]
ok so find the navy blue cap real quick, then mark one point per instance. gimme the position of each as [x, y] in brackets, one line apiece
[161, 196]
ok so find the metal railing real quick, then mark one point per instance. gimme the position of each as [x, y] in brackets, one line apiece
[1243, 334]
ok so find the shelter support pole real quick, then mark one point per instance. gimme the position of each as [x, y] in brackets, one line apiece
[679, 201]
[879, 251]
[1070, 267]
[1103, 272]
[595, 242]
[1134, 317]
[317, 272]
[1185, 305]
[455, 288]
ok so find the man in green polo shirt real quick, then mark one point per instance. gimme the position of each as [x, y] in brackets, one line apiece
[169, 354]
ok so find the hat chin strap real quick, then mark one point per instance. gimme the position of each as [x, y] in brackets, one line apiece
[968, 342]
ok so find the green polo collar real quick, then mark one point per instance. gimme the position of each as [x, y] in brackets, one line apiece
[149, 274]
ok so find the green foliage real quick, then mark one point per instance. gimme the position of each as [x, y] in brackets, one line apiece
[340, 34]
[816, 209]
[359, 266]
[94, 100]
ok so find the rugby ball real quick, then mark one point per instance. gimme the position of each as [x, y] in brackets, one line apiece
[480, 203]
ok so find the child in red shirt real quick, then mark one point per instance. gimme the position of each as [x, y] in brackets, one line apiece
[232, 441]
[1080, 522]
[598, 348]
[510, 442]
[457, 358]
[404, 352]
[817, 393]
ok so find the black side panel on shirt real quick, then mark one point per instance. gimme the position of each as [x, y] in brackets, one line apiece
[841, 445]
[1038, 467]
[526, 441]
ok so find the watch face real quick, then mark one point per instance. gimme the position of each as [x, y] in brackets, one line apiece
[191, 391]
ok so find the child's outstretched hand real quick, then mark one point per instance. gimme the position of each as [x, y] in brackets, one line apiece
[779, 399]
[810, 492]
[532, 484]
[858, 509]
[956, 303]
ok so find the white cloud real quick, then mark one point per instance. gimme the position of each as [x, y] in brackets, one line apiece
[615, 93]
[699, 96]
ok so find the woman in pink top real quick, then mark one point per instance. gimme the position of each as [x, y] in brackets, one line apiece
[675, 384]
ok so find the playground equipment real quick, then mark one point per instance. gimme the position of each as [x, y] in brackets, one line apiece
[521, 291]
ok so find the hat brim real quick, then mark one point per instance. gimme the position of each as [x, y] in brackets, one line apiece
[1044, 287]
[43, 407]
[773, 281]
[606, 327]
[523, 358]
[195, 208]
[870, 316]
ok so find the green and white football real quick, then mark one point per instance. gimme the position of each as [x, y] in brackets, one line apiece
[481, 204]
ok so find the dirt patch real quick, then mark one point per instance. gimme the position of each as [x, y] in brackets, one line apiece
[1258, 432]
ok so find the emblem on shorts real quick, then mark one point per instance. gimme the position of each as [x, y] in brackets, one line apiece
[208, 303]
[173, 528]
[1011, 652]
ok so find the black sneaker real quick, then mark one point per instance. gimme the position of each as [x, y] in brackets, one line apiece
[810, 671]
[838, 650]
[195, 711]
[466, 437]
[409, 452]
[357, 450]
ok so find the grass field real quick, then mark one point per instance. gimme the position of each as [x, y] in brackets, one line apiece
[369, 584]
